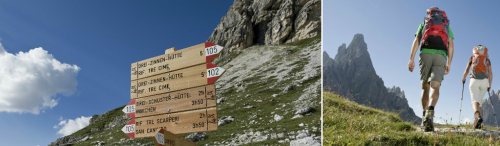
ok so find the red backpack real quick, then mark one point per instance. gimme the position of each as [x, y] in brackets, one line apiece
[435, 31]
[479, 66]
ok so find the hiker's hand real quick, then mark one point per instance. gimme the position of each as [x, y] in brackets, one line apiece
[463, 81]
[447, 69]
[411, 65]
[489, 89]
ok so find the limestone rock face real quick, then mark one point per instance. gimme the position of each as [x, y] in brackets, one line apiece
[351, 75]
[488, 115]
[267, 22]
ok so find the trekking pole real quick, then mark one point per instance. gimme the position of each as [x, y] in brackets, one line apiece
[491, 102]
[463, 85]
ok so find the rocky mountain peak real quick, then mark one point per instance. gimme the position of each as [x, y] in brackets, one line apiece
[352, 75]
[265, 22]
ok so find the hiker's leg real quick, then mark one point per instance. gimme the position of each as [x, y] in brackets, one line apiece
[434, 92]
[475, 93]
[425, 96]
[476, 107]
[425, 64]
[437, 76]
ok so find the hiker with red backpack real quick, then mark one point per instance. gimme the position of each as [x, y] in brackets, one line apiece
[435, 39]
[480, 80]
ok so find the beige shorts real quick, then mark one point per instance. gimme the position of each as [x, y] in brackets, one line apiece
[478, 88]
[432, 67]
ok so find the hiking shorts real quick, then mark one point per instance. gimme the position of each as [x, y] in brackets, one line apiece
[432, 67]
[478, 88]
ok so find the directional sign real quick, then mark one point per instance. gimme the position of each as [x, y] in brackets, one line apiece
[183, 100]
[195, 55]
[177, 123]
[129, 129]
[130, 109]
[177, 80]
[165, 138]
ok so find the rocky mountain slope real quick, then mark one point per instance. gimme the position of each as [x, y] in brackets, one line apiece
[269, 95]
[487, 109]
[351, 75]
[267, 22]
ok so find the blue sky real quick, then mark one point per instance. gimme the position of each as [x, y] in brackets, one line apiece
[94, 42]
[389, 26]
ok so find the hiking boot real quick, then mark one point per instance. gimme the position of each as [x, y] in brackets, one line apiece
[428, 121]
[477, 121]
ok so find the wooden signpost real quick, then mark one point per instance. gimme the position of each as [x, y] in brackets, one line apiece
[173, 94]
[165, 138]
[183, 100]
[177, 123]
[194, 55]
[195, 76]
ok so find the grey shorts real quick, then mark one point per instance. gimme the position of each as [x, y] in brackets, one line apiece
[432, 67]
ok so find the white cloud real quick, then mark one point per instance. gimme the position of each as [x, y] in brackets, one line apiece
[70, 126]
[29, 81]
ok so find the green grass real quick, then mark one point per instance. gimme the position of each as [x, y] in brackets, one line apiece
[348, 123]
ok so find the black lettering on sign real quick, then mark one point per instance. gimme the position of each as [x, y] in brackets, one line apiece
[197, 102]
[150, 122]
[199, 125]
[211, 50]
[201, 93]
[211, 116]
[151, 89]
[175, 76]
[213, 72]
[161, 87]
[174, 56]
[213, 121]
[212, 97]
[132, 87]
[140, 91]
[159, 60]
[140, 72]
[210, 93]
[138, 123]
[141, 65]
[161, 67]
[202, 74]
[166, 120]
[142, 83]
[202, 115]
[139, 131]
[146, 110]
[152, 69]
[140, 103]
[157, 80]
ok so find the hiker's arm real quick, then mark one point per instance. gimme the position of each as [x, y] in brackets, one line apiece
[466, 72]
[414, 48]
[450, 56]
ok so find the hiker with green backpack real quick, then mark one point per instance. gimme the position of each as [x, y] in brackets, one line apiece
[435, 39]
[480, 80]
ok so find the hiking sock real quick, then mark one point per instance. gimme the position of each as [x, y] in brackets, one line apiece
[430, 108]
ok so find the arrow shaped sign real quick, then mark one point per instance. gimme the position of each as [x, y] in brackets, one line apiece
[129, 129]
[130, 109]
[195, 76]
[195, 55]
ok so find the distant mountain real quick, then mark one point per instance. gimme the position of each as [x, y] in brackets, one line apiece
[487, 114]
[351, 74]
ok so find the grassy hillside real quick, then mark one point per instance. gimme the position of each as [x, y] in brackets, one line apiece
[348, 123]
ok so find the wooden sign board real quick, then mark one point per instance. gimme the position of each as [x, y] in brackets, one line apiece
[165, 138]
[183, 100]
[177, 123]
[177, 80]
[175, 60]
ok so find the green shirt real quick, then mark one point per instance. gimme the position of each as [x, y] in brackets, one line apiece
[430, 50]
